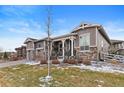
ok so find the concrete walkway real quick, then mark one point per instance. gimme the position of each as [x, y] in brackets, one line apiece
[12, 63]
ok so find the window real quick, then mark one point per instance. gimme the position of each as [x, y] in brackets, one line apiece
[39, 45]
[84, 42]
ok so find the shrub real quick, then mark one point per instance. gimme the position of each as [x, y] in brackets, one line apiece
[43, 62]
[55, 61]
[72, 61]
[66, 61]
[13, 58]
[80, 61]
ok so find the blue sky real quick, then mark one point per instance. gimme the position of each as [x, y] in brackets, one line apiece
[19, 22]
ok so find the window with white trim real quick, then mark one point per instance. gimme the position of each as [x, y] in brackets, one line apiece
[84, 42]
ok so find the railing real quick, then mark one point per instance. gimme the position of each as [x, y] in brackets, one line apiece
[120, 58]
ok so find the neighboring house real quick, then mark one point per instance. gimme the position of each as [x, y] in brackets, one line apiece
[21, 52]
[40, 48]
[30, 48]
[86, 39]
[13, 56]
[116, 45]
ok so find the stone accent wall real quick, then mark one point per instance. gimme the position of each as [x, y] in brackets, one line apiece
[92, 54]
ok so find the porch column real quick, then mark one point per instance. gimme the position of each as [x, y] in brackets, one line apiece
[72, 46]
[63, 48]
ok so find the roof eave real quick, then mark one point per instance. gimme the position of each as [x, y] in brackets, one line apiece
[104, 34]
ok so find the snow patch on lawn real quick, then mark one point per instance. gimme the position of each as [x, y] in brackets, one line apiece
[32, 63]
[101, 67]
[22, 78]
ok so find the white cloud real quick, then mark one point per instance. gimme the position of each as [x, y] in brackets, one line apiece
[30, 28]
[23, 29]
[8, 44]
[115, 29]
[115, 26]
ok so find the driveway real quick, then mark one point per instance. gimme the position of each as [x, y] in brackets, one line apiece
[12, 63]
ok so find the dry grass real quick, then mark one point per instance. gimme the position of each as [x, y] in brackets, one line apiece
[3, 81]
[28, 76]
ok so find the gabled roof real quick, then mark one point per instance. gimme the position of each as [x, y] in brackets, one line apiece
[99, 27]
[29, 40]
[41, 39]
[20, 47]
[63, 36]
[103, 32]
[83, 26]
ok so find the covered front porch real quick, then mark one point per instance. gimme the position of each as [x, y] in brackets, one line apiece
[63, 47]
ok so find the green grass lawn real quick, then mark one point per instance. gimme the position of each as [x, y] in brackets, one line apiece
[28, 76]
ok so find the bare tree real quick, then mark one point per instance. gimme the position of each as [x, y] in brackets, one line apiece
[48, 25]
[48, 30]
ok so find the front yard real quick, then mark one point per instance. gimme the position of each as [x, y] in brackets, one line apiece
[28, 76]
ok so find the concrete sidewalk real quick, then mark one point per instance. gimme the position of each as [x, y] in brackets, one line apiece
[12, 63]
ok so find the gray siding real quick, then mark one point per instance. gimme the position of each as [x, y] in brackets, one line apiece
[102, 44]
[92, 32]
[30, 45]
[39, 44]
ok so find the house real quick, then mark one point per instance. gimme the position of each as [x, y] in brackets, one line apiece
[13, 56]
[21, 52]
[30, 48]
[40, 49]
[85, 39]
[116, 45]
